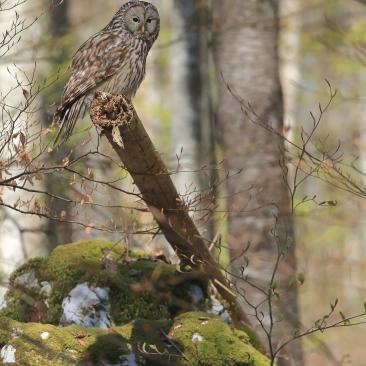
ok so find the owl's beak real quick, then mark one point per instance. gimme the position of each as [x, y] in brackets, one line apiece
[142, 30]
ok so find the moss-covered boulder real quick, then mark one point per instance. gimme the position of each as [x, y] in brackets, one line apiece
[96, 283]
[192, 339]
[115, 308]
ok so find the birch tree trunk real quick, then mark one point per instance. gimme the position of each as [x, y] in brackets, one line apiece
[246, 58]
[192, 108]
[290, 11]
[21, 236]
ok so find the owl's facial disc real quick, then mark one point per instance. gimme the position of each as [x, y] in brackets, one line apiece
[142, 23]
[151, 22]
[135, 19]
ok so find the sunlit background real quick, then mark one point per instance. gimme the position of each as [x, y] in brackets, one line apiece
[319, 41]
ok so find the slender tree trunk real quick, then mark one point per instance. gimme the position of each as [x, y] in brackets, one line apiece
[246, 57]
[21, 236]
[290, 11]
[59, 19]
[192, 118]
[57, 232]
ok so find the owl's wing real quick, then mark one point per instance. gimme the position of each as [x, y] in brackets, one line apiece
[95, 61]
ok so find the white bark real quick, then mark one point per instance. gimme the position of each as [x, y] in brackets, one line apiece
[19, 238]
[183, 134]
[191, 106]
[290, 12]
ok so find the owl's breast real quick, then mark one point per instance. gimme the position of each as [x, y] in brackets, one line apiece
[129, 75]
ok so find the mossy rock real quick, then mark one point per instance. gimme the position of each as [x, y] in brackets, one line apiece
[192, 339]
[120, 286]
[145, 303]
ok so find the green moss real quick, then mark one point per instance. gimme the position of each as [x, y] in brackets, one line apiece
[23, 303]
[65, 346]
[32, 264]
[4, 333]
[17, 306]
[219, 345]
[138, 287]
[143, 338]
[88, 252]
[249, 336]
[79, 346]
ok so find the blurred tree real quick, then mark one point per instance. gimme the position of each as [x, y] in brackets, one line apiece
[192, 118]
[59, 20]
[21, 236]
[58, 27]
[246, 56]
[290, 43]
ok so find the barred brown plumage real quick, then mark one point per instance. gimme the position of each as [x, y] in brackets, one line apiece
[113, 60]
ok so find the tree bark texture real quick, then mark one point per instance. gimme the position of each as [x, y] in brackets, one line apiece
[119, 122]
[246, 57]
[192, 122]
[58, 25]
[190, 82]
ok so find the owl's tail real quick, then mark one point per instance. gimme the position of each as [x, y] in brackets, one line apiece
[66, 116]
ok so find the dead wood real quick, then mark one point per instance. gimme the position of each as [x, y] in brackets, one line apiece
[116, 117]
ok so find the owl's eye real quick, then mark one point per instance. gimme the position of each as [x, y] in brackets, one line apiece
[149, 20]
[135, 19]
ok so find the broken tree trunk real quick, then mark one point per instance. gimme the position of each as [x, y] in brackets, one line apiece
[117, 119]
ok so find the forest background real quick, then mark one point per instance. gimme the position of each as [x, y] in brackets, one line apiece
[319, 43]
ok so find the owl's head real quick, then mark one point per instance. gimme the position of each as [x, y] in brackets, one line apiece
[140, 18]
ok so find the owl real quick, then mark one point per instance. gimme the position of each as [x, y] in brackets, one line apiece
[113, 61]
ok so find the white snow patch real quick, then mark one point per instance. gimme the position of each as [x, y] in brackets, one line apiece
[130, 360]
[197, 338]
[218, 309]
[45, 335]
[3, 304]
[7, 354]
[27, 280]
[46, 288]
[87, 306]
[102, 293]
[196, 293]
